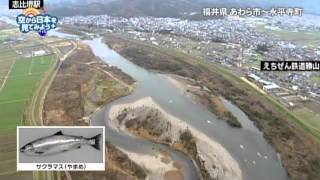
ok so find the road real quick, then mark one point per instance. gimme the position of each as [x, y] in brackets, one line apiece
[43, 95]
[7, 76]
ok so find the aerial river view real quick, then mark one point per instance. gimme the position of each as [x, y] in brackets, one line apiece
[256, 158]
[160, 90]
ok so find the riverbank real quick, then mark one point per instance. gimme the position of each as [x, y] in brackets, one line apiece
[82, 85]
[161, 166]
[147, 119]
[204, 96]
[298, 150]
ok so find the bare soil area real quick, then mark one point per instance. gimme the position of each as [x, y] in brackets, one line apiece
[144, 118]
[80, 87]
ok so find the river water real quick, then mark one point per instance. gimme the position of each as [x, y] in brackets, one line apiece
[256, 158]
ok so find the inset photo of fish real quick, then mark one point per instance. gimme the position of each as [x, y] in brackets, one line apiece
[60, 148]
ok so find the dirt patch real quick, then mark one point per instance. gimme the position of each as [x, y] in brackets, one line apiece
[65, 49]
[315, 107]
[144, 118]
[173, 175]
[165, 157]
[221, 111]
[80, 88]
[152, 164]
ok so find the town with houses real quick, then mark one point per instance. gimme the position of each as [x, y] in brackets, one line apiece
[232, 42]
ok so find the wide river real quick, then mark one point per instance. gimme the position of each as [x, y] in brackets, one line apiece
[256, 158]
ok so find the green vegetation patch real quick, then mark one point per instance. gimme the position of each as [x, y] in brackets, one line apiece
[10, 116]
[4, 67]
[19, 88]
[315, 78]
[309, 117]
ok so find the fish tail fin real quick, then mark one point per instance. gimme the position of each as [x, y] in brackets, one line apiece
[95, 141]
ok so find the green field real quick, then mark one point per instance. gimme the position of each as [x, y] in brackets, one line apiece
[7, 59]
[303, 38]
[18, 89]
[15, 98]
[17, 92]
[315, 78]
[309, 117]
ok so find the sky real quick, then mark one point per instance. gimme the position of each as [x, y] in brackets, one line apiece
[313, 5]
[309, 5]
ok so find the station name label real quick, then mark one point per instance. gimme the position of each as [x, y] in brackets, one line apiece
[24, 4]
[290, 65]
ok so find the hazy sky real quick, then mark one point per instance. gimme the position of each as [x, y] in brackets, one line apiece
[304, 3]
[309, 5]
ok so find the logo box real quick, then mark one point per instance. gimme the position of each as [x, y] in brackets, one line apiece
[85, 158]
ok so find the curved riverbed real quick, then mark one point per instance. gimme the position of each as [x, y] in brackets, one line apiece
[123, 140]
[256, 157]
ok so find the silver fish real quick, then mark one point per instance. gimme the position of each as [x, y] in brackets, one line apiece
[58, 143]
